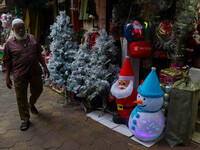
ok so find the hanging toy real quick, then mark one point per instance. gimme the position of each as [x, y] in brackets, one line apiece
[147, 120]
[136, 34]
[166, 35]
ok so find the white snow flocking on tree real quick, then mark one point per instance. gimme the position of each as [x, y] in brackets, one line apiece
[63, 50]
[92, 75]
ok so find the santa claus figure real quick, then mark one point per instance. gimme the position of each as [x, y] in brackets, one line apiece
[138, 31]
[122, 91]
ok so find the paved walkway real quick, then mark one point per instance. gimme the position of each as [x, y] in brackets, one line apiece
[58, 128]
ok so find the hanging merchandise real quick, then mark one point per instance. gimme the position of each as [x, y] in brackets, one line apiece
[122, 91]
[147, 120]
[83, 15]
[91, 9]
[140, 46]
[17, 12]
[75, 13]
[7, 26]
[162, 5]
[185, 21]
[27, 21]
[167, 35]
[7, 20]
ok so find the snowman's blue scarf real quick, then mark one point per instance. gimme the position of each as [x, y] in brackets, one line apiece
[139, 109]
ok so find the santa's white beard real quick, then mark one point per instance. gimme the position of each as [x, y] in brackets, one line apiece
[20, 37]
[137, 27]
[115, 91]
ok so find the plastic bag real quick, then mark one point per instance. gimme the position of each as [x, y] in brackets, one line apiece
[182, 113]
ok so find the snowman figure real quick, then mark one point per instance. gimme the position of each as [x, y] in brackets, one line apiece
[147, 120]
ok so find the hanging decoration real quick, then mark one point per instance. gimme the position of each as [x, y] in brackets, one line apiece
[92, 39]
[134, 31]
[167, 39]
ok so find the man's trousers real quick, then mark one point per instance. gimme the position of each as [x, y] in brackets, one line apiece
[21, 87]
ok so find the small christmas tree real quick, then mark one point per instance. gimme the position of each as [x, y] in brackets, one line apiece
[102, 70]
[63, 50]
[93, 74]
[76, 81]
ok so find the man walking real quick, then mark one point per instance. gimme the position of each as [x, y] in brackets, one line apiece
[22, 55]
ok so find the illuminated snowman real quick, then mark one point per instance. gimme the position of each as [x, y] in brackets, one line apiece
[146, 120]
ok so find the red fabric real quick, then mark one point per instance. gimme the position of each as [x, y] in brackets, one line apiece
[111, 98]
[127, 102]
[126, 69]
[77, 23]
[141, 49]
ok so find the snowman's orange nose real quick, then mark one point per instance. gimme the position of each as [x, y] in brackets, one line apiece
[138, 102]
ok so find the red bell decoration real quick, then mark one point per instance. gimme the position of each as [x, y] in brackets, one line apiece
[141, 49]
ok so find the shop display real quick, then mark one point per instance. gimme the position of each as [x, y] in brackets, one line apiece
[122, 91]
[92, 73]
[147, 120]
[170, 75]
[134, 33]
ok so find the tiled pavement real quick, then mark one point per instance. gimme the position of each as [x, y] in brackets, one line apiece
[56, 127]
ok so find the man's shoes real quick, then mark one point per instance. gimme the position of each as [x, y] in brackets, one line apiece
[25, 125]
[33, 110]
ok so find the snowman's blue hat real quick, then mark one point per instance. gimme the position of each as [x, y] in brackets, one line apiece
[151, 86]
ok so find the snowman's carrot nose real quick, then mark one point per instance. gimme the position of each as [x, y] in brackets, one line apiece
[138, 102]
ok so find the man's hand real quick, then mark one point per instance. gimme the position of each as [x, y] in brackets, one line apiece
[46, 72]
[9, 82]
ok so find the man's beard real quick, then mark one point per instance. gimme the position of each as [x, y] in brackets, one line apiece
[115, 91]
[20, 37]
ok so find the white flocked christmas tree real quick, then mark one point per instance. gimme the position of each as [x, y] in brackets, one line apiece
[76, 81]
[63, 50]
[93, 74]
[102, 69]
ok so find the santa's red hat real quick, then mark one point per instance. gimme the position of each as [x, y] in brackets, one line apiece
[126, 71]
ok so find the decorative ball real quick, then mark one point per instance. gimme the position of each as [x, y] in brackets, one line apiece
[166, 97]
[168, 88]
[163, 111]
[148, 126]
[162, 86]
[165, 105]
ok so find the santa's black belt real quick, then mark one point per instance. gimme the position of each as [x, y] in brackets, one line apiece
[121, 107]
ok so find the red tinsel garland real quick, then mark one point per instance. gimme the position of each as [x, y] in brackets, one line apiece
[92, 39]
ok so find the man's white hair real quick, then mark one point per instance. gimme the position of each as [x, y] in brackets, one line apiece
[15, 21]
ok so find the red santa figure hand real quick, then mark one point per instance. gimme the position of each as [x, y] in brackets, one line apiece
[111, 98]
